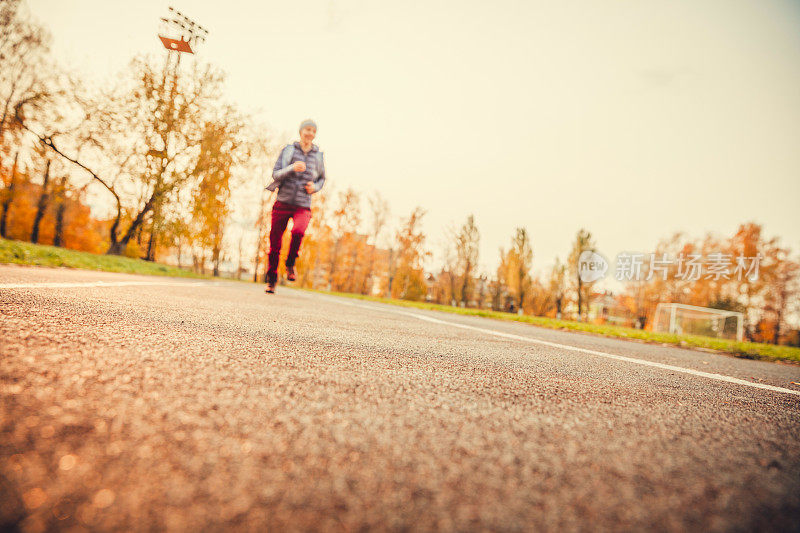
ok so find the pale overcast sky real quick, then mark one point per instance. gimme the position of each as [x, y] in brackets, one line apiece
[632, 119]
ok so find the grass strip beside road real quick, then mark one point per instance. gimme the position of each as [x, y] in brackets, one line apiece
[25, 253]
[749, 350]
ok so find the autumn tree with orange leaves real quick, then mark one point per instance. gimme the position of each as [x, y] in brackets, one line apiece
[408, 281]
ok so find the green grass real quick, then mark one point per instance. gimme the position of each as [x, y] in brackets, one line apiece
[24, 253]
[750, 350]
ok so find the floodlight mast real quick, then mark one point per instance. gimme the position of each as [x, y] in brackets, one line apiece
[191, 33]
[179, 34]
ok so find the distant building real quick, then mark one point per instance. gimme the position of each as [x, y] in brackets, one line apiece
[605, 308]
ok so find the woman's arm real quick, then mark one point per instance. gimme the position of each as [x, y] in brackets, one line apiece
[319, 181]
[278, 173]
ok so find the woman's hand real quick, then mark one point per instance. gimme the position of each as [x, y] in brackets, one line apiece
[299, 167]
[310, 187]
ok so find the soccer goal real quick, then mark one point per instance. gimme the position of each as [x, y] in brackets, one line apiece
[693, 320]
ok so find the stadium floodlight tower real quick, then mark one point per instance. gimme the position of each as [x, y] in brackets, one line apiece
[693, 320]
[180, 34]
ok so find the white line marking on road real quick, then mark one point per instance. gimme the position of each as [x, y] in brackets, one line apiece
[644, 362]
[63, 285]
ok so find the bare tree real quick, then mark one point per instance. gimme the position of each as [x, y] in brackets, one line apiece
[583, 242]
[346, 218]
[24, 48]
[518, 264]
[557, 286]
[448, 275]
[497, 289]
[483, 289]
[409, 280]
[379, 217]
[142, 140]
[783, 290]
[466, 243]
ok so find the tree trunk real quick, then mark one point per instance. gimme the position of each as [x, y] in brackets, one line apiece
[61, 207]
[312, 270]
[215, 259]
[368, 275]
[41, 206]
[8, 199]
[151, 248]
[465, 285]
[216, 250]
[334, 259]
[151, 242]
[262, 223]
[780, 305]
[351, 282]
[58, 237]
[117, 247]
[240, 265]
[391, 273]
[114, 248]
[255, 269]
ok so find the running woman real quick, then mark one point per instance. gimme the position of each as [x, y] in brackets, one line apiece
[299, 172]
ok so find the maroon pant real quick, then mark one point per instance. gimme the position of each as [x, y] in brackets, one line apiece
[281, 213]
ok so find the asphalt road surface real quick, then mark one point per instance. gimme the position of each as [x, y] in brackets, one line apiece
[143, 403]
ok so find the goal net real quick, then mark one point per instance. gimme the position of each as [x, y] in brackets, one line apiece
[693, 320]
